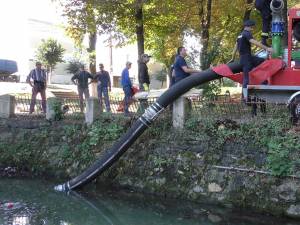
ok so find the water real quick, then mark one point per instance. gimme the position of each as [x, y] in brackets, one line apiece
[24, 202]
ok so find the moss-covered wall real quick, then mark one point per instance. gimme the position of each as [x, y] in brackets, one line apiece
[246, 164]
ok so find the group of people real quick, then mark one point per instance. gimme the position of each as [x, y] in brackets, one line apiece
[37, 79]
[143, 78]
[84, 78]
[179, 70]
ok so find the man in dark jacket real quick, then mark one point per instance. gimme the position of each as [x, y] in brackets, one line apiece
[143, 75]
[81, 80]
[243, 45]
[104, 86]
[144, 79]
[181, 69]
[263, 6]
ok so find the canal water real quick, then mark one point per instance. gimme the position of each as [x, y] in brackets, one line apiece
[24, 202]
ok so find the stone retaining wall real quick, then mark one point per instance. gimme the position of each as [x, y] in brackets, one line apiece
[176, 164]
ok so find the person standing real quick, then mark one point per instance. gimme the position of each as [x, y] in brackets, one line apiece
[180, 66]
[81, 80]
[104, 86]
[127, 87]
[39, 78]
[144, 80]
[263, 6]
[143, 75]
[247, 60]
[171, 75]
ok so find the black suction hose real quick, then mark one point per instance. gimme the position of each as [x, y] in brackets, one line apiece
[296, 30]
[151, 113]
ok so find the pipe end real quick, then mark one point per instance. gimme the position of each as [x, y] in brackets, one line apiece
[61, 188]
[277, 6]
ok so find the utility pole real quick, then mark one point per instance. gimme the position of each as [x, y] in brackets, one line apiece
[110, 54]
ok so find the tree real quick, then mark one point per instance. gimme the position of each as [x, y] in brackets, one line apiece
[139, 24]
[161, 76]
[160, 26]
[50, 52]
[74, 66]
[249, 6]
[81, 20]
[205, 17]
[166, 23]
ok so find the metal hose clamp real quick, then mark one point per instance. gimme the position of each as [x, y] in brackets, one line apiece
[151, 113]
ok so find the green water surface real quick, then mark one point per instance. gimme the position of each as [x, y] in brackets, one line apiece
[24, 202]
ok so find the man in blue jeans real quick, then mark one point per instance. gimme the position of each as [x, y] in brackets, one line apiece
[104, 86]
[127, 87]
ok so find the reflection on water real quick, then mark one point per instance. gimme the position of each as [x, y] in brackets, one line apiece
[35, 203]
[20, 220]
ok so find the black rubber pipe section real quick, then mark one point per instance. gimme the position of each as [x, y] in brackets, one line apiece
[151, 113]
[296, 31]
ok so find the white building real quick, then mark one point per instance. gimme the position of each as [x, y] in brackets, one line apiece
[26, 23]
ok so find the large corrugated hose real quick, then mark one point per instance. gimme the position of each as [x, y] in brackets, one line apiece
[151, 113]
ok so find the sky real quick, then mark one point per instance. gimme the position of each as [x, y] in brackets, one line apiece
[14, 15]
[14, 38]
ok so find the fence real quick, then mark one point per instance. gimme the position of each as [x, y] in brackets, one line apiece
[219, 107]
[22, 105]
[235, 109]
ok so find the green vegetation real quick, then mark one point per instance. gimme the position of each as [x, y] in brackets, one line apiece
[161, 76]
[56, 104]
[74, 65]
[160, 27]
[59, 150]
[271, 136]
[263, 143]
[50, 52]
[174, 163]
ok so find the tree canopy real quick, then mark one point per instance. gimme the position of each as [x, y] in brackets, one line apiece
[50, 52]
[164, 24]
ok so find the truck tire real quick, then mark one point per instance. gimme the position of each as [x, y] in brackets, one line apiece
[294, 107]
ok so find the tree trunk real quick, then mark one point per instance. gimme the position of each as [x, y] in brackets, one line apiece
[205, 15]
[92, 60]
[92, 52]
[110, 55]
[49, 75]
[248, 10]
[139, 20]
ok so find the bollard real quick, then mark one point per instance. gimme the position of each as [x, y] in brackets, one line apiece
[7, 106]
[53, 109]
[93, 110]
[180, 110]
[182, 106]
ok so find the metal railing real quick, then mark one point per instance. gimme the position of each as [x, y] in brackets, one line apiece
[219, 107]
[22, 105]
[228, 108]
